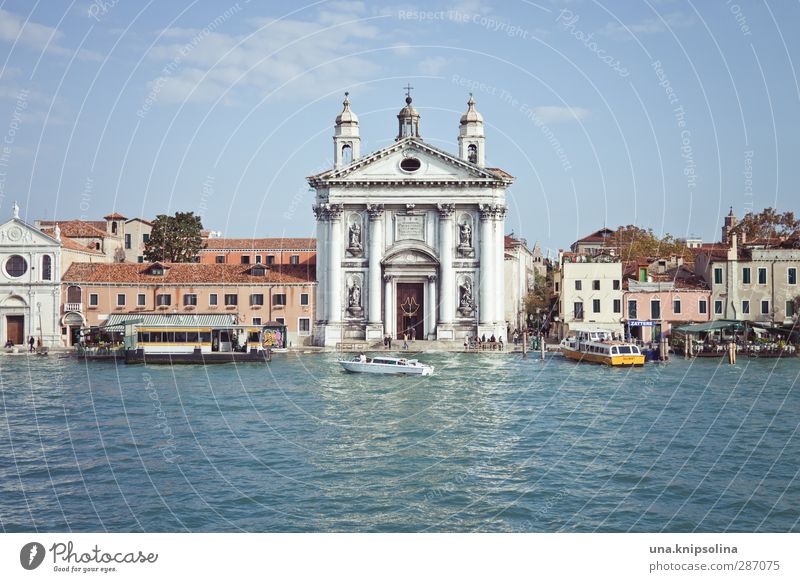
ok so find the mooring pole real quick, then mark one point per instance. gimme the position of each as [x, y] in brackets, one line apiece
[541, 345]
[525, 344]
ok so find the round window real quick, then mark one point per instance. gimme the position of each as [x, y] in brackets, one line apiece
[16, 266]
[410, 164]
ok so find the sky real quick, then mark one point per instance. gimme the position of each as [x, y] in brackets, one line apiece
[661, 113]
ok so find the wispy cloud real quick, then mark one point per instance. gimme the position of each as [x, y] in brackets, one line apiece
[619, 31]
[37, 36]
[557, 114]
[310, 56]
[433, 65]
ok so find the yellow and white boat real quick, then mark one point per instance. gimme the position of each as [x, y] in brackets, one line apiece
[597, 347]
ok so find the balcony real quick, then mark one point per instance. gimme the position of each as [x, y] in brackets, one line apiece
[73, 307]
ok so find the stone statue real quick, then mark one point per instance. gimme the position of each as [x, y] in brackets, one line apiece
[354, 297]
[355, 236]
[466, 235]
[465, 305]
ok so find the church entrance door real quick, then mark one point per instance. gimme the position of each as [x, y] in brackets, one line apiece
[411, 310]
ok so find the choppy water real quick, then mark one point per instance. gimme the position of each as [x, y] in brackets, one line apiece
[490, 443]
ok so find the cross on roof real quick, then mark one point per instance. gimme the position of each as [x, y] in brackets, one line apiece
[408, 90]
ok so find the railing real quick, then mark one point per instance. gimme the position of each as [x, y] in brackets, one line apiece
[73, 307]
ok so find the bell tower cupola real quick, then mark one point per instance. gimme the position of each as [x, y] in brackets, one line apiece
[471, 140]
[408, 119]
[346, 137]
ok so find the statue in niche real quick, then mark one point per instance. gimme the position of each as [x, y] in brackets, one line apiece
[354, 239]
[465, 239]
[466, 306]
[354, 298]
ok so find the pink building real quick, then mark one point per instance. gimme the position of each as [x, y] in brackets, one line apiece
[657, 298]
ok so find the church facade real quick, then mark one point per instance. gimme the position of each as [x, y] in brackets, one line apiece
[410, 238]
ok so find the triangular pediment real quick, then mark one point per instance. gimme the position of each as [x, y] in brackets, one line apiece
[409, 160]
[16, 232]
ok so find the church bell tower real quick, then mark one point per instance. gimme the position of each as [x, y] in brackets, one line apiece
[346, 136]
[471, 140]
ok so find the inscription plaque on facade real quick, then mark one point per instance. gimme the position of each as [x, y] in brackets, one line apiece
[410, 227]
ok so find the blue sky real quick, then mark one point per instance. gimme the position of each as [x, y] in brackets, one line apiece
[659, 113]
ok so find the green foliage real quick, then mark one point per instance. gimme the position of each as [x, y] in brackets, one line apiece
[633, 242]
[175, 239]
[768, 223]
[542, 295]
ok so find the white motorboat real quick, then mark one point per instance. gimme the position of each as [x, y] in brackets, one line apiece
[386, 365]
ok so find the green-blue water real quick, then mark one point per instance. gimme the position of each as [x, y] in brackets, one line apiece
[490, 443]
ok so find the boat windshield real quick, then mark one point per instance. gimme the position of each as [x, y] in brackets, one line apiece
[625, 350]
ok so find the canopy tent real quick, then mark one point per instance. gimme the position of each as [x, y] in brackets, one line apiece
[722, 324]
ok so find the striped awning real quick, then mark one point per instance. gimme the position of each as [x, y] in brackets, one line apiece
[172, 319]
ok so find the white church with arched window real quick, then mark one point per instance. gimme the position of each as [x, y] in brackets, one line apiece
[410, 238]
[30, 274]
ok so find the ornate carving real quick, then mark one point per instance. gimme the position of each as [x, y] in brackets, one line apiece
[387, 278]
[325, 211]
[465, 248]
[492, 211]
[335, 211]
[354, 244]
[375, 211]
[446, 209]
[354, 296]
[431, 278]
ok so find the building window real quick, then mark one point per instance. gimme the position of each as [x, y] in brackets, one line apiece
[16, 266]
[762, 276]
[655, 309]
[304, 299]
[163, 299]
[120, 299]
[578, 285]
[746, 276]
[616, 285]
[127, 242]
[245, 259]
[270, 259]
[231, 299]
[47, 268]
[94, 299]
[258, 259]
[617, 305]
[717, 307]
[294, 260]
[595, 306]
[146, 237]
[702, 306]
[140, 259]
[73, 294]
[557, 286]
[718, 276]
[304, 326]
[790, 309]
[765, 307]
[257, 299]
[676, 306]
[577, 310]
[141, 300]
[280, 320]
[631, 309]
[190, 299]
[219, 259]
[256, 321]
[472, 153]
[212, 299]
[113, 228]
[791, 276]
[745, 307]
[596, 285]
[279, 299]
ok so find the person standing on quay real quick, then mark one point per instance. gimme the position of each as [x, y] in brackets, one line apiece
[31, 341]
[405, 341]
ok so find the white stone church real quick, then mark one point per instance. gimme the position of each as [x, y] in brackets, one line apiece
[410, 237]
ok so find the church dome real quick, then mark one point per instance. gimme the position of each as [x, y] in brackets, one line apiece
[346, 116]
[408, 119]
[408, 111]
[471, 116]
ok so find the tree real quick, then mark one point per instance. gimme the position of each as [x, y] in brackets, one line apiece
[632, 242]
[768, 224]
[174, 239]
[539, 302]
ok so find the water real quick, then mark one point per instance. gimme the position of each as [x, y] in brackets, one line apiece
[490, 443]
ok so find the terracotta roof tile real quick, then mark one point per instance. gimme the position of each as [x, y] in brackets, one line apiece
[68, 243]
[261, 244]
[186, 273]
[114, 216]
[77, 228]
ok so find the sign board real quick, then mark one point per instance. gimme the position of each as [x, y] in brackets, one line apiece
[641, 323]
[410, 226]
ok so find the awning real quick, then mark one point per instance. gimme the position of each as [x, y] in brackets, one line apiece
[595, 326]
[725, 324]
[171, 319]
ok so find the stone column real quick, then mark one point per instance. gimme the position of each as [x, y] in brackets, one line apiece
[336, 242]
[321, 214]
[500, 269]
[486, 308]
[446, 250]
[431, 311]
[375, 252]
[387, 304]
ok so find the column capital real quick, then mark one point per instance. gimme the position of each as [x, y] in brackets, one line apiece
[325, 211]
[388, 278]
[492, 211]
[431, 278]
[375, 211]
[446, 209]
